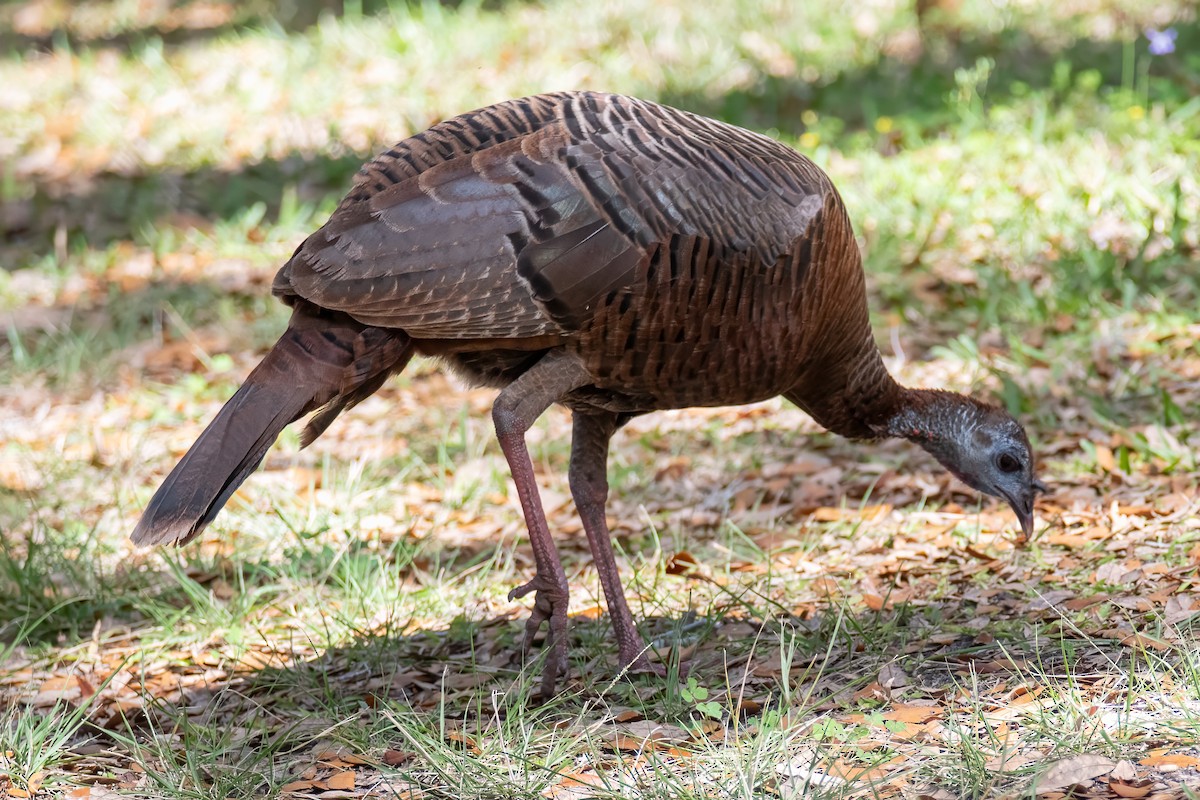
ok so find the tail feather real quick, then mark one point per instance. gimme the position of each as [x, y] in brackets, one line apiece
[378, 354]
[318, 363]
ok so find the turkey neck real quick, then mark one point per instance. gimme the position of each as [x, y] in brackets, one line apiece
[842, 381]
[933, 418]
[854, 395]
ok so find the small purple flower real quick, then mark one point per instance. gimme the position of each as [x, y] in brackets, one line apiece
[1161, 42]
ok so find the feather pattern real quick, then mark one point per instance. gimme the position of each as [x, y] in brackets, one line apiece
[521, 220]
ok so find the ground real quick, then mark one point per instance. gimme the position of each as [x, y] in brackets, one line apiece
[1023, 180]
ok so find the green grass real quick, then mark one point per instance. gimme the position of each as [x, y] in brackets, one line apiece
[1024, 189]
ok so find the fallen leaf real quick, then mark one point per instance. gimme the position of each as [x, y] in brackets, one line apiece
[873, 601]
[644, 735]
[935, 793]
[591, 612]
[749, 707]
[872, 691]
[892, 677]
[1136, 789]
[1143, 642]
[34, 783]
[394, 758]
[801, 776]
[341, 780]
[1177, 760]
[1178, 608]
[463, 739]
[912, 713]
[682, 563]
[1076, 769]
[575, 785]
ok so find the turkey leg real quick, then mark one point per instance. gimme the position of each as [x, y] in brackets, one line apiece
[516, 408]
[590, 437]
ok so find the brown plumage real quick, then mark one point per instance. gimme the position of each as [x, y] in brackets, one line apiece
[598, 251]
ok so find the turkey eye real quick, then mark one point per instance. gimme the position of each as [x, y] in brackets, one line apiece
[1008, 463]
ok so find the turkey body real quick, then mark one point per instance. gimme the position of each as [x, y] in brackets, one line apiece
[683, 261]
[609, 254]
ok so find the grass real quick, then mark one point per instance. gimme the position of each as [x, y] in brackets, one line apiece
[1022, 180]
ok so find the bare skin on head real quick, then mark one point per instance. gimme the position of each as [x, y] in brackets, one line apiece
[608, 254]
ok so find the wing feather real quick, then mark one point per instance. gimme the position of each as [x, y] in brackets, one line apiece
[518, 220]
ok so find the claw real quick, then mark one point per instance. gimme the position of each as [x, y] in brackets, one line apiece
[517, 592]
[549, 606]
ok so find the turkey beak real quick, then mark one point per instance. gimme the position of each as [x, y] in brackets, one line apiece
[1022, 505]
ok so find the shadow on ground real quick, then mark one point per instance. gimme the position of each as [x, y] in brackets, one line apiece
[464, 684]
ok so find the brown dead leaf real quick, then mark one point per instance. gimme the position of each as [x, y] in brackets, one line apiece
[873, 601]
[575, 785]
[332, 758]
[912, 713]
[19, 476]
[644, 735]
[673, 470]
[682, 563]
[1178, 608]
[625, 743]
[1080, 603]
[872, 691]
[461, 738]
[1135, 789]
[341, 780]
[86, 690]
[1161, 758]
[1080, 538]
[748, 707]
[1074, 770]
[591, 612]
[394, 758]
[893, 677]
[64, 688]
[297, 786]
[1144, 642]
[838, 513]
[1105, 459]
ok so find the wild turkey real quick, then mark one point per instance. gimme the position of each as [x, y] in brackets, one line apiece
[605, 253]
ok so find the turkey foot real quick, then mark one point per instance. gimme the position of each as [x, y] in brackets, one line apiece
[549, 605]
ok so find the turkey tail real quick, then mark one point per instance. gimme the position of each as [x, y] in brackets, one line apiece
[321, 361]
